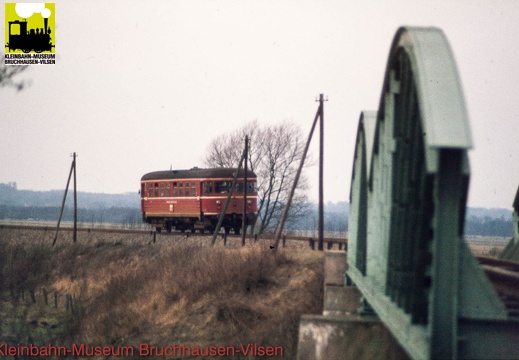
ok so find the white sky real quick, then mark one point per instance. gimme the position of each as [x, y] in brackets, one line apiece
[142, 85]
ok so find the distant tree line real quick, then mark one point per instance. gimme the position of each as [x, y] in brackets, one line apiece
[124, 209]
[11, 195]
[335, 218]
[117, 215]
[488, 226]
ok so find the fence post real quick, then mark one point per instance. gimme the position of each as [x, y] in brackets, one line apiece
[255, 237]
[45, 297]
[312, 243]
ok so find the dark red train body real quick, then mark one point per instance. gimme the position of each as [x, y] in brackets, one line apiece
[193, 199]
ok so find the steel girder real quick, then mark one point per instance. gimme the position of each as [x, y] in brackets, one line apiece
[408, 196]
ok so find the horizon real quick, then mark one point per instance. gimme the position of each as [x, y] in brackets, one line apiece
[328, 202]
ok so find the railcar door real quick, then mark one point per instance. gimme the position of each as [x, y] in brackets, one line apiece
[206, 189]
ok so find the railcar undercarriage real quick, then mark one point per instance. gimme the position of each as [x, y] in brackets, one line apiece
[202, 223]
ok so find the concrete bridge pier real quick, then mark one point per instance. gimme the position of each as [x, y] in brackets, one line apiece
[341, 332]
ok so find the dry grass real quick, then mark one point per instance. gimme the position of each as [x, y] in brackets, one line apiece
[129, 291]
[487, 245]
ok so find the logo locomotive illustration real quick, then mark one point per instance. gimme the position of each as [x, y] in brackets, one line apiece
[29, 32]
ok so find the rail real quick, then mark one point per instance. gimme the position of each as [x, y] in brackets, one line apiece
[312, 240]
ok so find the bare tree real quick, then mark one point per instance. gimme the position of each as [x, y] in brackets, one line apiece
[7, 73]
[274, 155]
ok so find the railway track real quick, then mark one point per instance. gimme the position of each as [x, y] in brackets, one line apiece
[312, 240]
[504, 275]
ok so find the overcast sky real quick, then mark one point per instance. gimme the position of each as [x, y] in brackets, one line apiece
[141, 86]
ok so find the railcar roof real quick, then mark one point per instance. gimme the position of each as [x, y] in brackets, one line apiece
[196, 173]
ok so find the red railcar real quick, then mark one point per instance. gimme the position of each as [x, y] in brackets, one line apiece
[193, 199]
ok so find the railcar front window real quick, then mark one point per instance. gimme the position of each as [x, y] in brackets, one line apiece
[156, 189]
[150, 190]
[222, 187]
[175, 189]
[250, 187]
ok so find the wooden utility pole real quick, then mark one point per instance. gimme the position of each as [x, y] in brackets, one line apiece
[245, 189]
[75, 198]
[224, 210]
[284, 215]
[72, 169]
[321, 168]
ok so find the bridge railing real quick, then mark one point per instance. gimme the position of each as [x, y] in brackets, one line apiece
[408, 198]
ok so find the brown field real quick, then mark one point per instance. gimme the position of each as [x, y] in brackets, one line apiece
[126, 290]
[486, 245]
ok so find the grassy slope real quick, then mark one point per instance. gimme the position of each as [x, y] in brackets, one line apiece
[176, 291]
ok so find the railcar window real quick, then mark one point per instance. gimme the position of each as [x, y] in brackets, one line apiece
[175, 189]
[143, 190]
[168, 189]
[193, 189]
[187, 189]
[180, 189]
[162, 189]
[208, 188]
[156, 189]
[150, 189]
[250, 187]
[223, 187]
